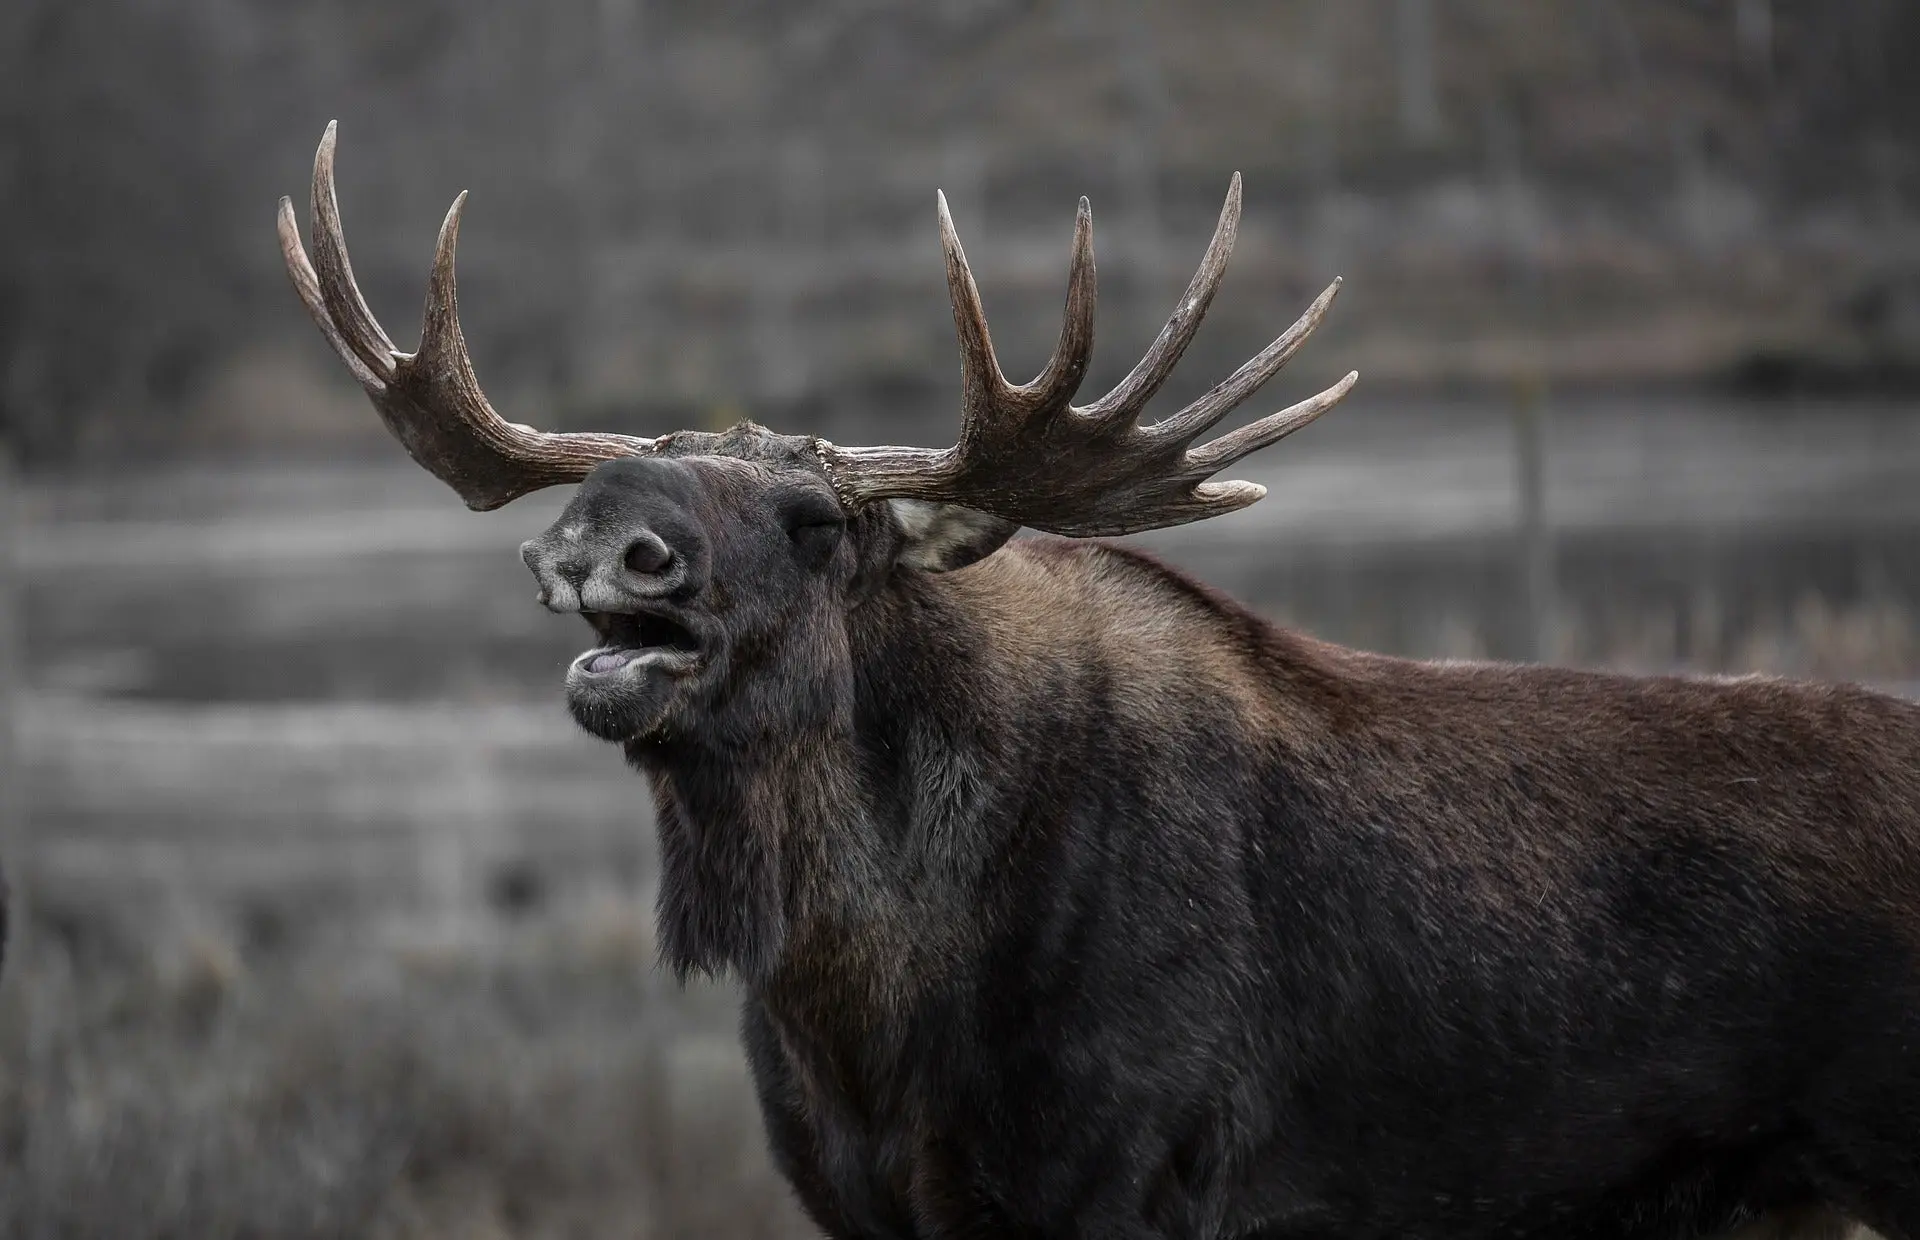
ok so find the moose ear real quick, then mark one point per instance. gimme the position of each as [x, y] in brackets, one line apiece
[943, 537]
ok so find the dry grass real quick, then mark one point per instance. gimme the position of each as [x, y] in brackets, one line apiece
[543, 1083]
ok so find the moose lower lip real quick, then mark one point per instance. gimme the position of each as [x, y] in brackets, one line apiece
[612, 660]
[609, 660]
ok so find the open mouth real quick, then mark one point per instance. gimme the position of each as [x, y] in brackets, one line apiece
[633, 639]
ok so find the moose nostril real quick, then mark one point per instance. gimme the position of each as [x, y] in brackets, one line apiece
[648, 555]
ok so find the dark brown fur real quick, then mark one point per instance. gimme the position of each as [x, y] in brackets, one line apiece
[1070, 897]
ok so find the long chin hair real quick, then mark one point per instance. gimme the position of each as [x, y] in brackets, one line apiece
[741, 800]
[722, 905]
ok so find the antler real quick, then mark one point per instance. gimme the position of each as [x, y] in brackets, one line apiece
[1028, 454]
[430, 399]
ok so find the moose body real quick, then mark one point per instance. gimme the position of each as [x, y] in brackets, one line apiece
[1070, 898]
[1111, 910]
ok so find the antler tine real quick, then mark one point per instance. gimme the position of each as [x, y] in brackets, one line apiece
[985, 385]
[442, 359]
[1225, 396]
[1217, 454]
[430, 400]
[307, 284]
[441, 340]
[1131, 394]
[1065, 370]
[347, 308]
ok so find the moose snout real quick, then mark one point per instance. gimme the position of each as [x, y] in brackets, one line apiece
[581, 568]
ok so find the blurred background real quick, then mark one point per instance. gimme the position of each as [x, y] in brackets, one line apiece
[329, 922]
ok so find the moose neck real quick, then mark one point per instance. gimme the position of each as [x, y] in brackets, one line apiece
[839, 849]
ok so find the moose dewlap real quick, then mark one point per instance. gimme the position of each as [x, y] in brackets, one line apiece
[1068, 897]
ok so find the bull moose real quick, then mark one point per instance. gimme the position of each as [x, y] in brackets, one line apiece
[1069, 897]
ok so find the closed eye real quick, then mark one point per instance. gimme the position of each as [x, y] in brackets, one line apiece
[808, 515]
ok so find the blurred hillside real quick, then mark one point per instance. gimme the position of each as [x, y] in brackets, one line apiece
[683, 213]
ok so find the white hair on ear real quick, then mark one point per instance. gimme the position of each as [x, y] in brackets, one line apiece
[943, 537]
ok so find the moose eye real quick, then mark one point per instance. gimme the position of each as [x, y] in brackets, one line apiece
[813, 523]
[808, 510]
[814, 527]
